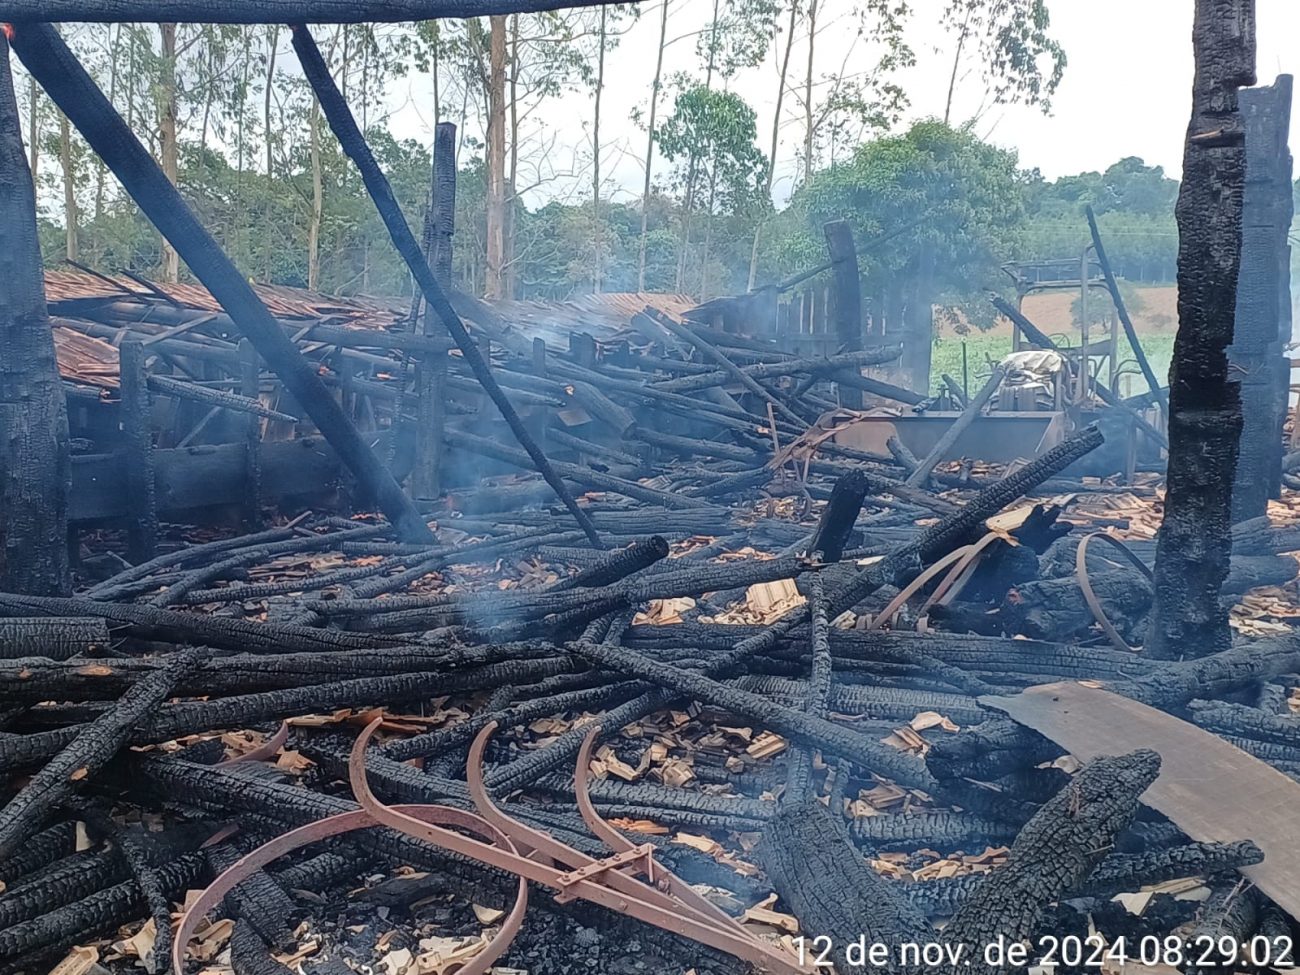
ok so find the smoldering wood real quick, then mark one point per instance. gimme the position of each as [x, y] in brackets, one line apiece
[57, 69]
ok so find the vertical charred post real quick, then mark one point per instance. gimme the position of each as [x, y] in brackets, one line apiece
[137, 452]
[848, 298]
[1263, 297]
[345, 129]
[1194, 544]
[35, 457]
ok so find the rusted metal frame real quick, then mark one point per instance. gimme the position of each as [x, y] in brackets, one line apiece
[660, 905]
[1085, 584]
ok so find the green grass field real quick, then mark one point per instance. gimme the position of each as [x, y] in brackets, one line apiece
[980, 349]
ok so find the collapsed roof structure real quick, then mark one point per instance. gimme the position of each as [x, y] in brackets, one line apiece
[301, 525]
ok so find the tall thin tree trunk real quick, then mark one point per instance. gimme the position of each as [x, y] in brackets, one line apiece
[69, 190]
[512, 182]
[776, 141]
[272, 35]
[35, 457]
[240, 220]
[207, 99]
[171, 269]
[650, 148]
[33, 127]
[317, 201]
[808, 89]
[956, 63]
[597, 276]
[692, 166]
[496, 159]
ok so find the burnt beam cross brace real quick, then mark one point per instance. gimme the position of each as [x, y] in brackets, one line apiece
[354, 144]
[58, 71]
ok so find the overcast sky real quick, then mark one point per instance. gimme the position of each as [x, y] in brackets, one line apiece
[1126, 91]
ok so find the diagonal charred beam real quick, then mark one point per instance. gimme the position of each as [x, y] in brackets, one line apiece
[271, 11]
[93, 747]
[59, 72]
[354, 145]
[1194, 543]
[1122, 310]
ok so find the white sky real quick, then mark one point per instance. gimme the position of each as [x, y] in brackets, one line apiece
[1126, 90]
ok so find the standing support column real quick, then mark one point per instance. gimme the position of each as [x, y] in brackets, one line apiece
[1263, 297]
[848, 298]
[137, 452]
[250, 385]
[35, 457]
[1194, 542]
[444, 200]
[56, 68]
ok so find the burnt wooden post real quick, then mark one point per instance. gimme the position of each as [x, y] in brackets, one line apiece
[431, 371]
[272, 11]
[35, 457]
[848, 298]
[1263, 297]
[250, 385]
[56, 68]
[137, 452]
[1194, 543]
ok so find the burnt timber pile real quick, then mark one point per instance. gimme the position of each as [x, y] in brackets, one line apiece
[620, 590]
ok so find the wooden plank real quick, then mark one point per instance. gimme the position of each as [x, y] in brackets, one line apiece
[1212, 790]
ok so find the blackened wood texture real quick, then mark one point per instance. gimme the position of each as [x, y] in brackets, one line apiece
[35, 461]
[1263, 297]
[1194, 543]
[271, 11]
[56, 68]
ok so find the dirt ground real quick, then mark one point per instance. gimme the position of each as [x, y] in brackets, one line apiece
[1050, 311]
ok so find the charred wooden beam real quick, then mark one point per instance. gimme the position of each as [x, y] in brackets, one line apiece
[89, 751]
[1194, 542]
[35, 456]
[848, 298]
[354, 145]
[57, 638]
[57, 69]
[274, 12]
[969, 415]
[1053, 854]
[1263, 324]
